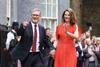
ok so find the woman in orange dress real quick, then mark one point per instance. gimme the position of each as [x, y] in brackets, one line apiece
[66, 32]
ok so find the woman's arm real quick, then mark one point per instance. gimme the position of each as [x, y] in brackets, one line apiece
[73, 35]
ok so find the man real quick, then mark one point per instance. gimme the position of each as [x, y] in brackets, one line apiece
[49, 37]
[12, 35]
[32, 44]
[3, 52]
[11, 42]
[79, 52]
[97, 50]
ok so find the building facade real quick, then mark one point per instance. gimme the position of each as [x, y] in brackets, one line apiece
[20, 10]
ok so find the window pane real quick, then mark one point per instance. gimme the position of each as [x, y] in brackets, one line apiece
[42, 1]
[43, 10]
[48, 10]
[49, 1]
[42, 22]
[54, 11]
[52, 26]
[48, 23]
[54, 1]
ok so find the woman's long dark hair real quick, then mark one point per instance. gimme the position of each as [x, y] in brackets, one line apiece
[72, 16]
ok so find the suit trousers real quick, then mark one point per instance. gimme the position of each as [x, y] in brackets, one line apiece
[50, 62]
[92, 64]
[33, 59]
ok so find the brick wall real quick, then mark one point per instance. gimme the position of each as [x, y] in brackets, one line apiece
[88, 11]
[91, 13]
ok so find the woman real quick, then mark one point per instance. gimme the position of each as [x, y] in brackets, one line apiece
[66, 32]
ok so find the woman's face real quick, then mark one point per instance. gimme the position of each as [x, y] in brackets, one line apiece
[67, 16]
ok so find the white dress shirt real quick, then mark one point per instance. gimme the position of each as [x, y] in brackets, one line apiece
[90, 48]
[37, 41]
[80, 46]
[10, 36]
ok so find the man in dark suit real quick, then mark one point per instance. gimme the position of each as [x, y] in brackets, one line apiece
[31, 48]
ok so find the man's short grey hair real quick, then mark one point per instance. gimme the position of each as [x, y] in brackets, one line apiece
[36, 9]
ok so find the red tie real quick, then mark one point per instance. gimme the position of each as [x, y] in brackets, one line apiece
[34, 39]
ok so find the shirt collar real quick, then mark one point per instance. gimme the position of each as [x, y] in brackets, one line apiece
[34, 24]
[13, 31]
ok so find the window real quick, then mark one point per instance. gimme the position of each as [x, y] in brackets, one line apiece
[49, 13]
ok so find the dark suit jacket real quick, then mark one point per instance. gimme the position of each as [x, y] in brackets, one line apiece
[97, 53]
[21, 51]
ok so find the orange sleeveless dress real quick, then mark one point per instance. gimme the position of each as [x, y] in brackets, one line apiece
[65, 55]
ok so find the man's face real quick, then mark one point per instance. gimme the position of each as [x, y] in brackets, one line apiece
[48, 32]
[35, 16]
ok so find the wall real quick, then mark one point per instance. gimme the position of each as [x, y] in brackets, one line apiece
[62, 5]
[3, 12]
[91, 14]
[87, 11]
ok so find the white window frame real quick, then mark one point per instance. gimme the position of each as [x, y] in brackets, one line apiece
[51, 18]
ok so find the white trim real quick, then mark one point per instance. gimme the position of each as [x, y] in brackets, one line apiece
[50, 18]
[53, 18]
[57, 11]
[46, 8]
[8, 13]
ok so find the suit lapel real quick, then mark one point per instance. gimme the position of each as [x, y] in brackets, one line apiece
[40, 33]
[30, 31]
